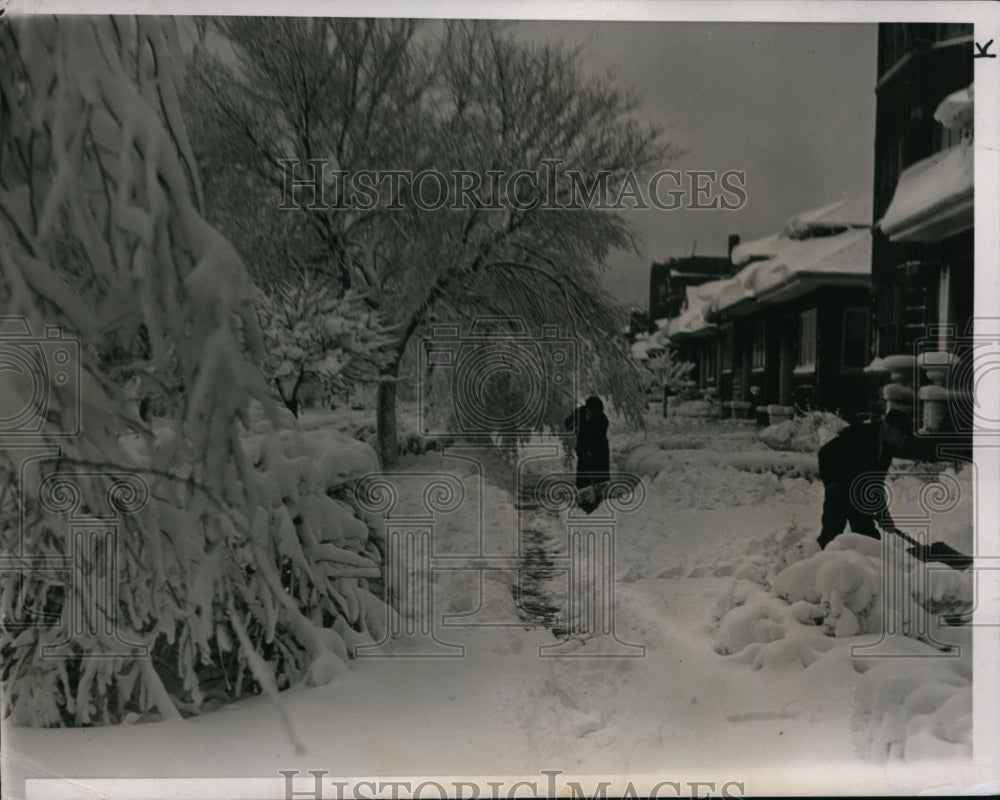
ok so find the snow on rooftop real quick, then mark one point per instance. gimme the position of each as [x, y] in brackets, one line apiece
[758, 248]
[692, 319]
[851, 212]
[732, 293]
[847, 253]
[774, 260]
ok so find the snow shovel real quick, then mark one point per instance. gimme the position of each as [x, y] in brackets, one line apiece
[935, 551]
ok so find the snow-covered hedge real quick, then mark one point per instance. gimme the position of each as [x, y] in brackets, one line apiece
[652, 460]
[806, 433]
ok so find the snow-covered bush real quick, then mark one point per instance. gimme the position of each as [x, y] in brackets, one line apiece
[665, 370]
[791, 604]
[677, 466]
[315, 335]
[410, 442]
[237, 562]
[698, 408]
[806, 433]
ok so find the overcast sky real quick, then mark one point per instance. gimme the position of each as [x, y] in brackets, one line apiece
[791, 104]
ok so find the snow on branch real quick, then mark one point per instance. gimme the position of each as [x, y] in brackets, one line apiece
[110, 265]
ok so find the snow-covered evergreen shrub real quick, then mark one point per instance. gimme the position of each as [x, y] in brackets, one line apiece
[240, 560]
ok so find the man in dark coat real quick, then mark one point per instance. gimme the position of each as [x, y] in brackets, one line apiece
[865, 448]
[593, 456]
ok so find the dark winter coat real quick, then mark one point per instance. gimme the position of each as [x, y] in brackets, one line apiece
[854, 451]
[592, 451]
[857, 450]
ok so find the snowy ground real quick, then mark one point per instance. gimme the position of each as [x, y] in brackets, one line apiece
[741, 681]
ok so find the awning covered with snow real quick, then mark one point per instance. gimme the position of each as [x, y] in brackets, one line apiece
[934, 197]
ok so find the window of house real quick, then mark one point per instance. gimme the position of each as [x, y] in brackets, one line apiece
[807, 339]
[708, 360]
[726, 350]
[889, 319]
[758, 351]
[854, 338]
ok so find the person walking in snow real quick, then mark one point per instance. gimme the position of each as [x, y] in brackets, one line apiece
[593, 455]
[865, 448]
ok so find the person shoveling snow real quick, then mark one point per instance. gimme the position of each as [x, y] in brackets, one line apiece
[852, 467]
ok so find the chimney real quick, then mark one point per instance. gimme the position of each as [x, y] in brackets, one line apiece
[734, 239]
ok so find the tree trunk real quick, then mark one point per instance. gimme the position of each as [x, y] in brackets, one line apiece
[388, 441]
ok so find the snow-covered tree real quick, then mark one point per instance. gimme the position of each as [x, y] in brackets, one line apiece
[665, 370]
[346, 91]
[315, 335]
[239, 563]
[473, 100]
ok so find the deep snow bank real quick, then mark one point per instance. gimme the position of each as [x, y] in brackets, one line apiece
[790, 607]
[875, 603]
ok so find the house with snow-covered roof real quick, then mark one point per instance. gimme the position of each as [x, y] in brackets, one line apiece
[676, 298]
[694, 337]
[793, 322]
[923, 236]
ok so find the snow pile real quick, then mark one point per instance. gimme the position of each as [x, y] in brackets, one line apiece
[913, 709]
[695, 439]
[697, 408]
[358, 424]
[840, 584]
[410, 442]
[769, 633]
[802, 608]
[708, 431]
[651, 460]
[844, 584]
[806, 433]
